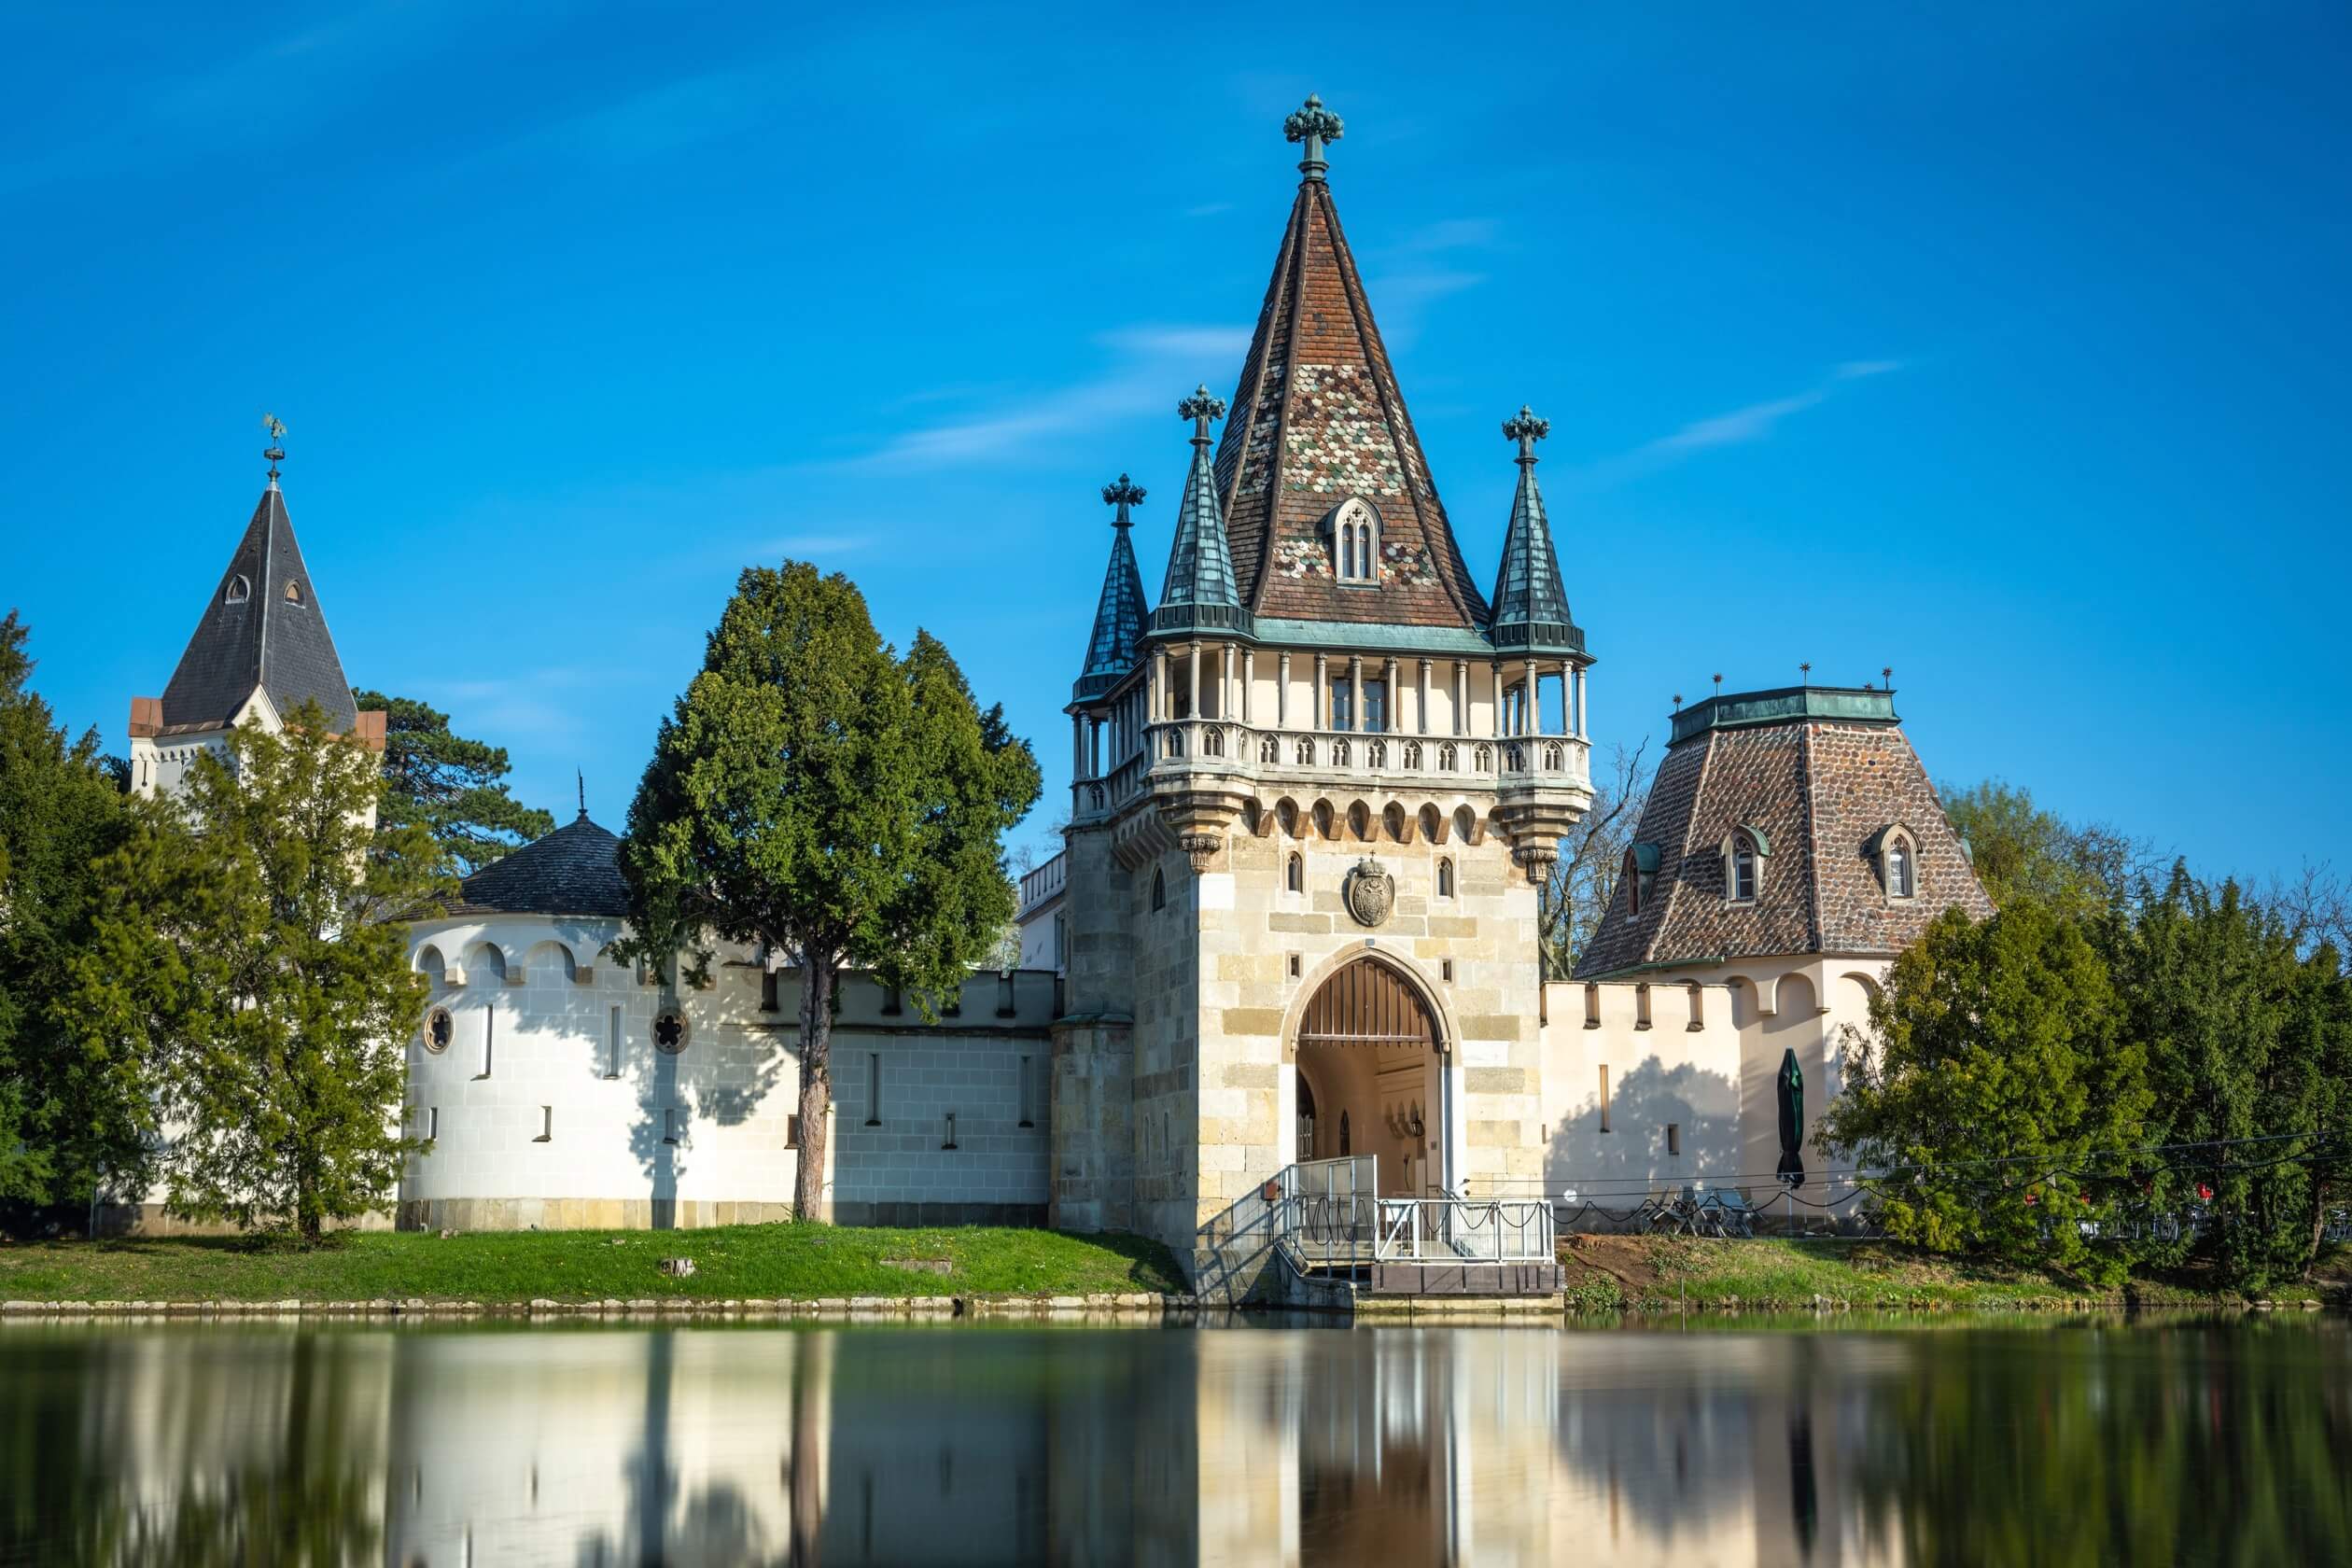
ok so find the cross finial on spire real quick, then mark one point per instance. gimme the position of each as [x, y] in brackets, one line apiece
[1121, 493]
[276, 451]
[1201, 407]
[1526, 427]
[1313, 125]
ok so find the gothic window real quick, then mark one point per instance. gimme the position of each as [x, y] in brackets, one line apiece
[1345, 1150]
[1355, 542]
[669, 1031]
[1159, 889]
[1393, 822]
[238, 591]
[1286, 813]
[1445, 879]
[1448, 759]
[1306, 753]
[1338, 753]
[1376, 753]
[1360, 822]
[439, 1030]
[293, 591]
[1270, 750]
[1631, 875]
[1413, 754]
[1294, 879]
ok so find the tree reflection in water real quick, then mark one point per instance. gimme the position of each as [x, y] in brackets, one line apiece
[2154, 1443]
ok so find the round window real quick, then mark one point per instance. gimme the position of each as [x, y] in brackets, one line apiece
[669, 1031]
[439, 1030]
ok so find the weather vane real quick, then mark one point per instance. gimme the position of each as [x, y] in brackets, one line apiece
[275, 428]
[1313, 125]
[1121, 493]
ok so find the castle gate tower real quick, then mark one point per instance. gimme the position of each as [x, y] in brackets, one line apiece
[1317, 789]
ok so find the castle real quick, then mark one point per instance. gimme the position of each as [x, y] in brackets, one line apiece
[1316, 788]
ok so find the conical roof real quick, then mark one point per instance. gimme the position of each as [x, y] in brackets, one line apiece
[1318, 419]
[1119, 613]
[575, 870]
[1200, 591]
[1531, 603]
[265, 629]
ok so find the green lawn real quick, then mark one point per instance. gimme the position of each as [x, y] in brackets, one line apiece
[1658, 1274]
[774, 1261]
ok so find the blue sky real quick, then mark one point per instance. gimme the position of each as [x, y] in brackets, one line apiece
[2005, 345]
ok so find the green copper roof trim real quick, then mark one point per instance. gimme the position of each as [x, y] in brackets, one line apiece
[1789, 704]
[1376, 637]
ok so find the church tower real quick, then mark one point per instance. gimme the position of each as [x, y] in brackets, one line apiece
[1316, 790]
[259, 650]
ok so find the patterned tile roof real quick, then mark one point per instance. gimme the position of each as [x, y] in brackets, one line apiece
[1317, 418]
[1817, 787]
[263, 628]
[575, 870]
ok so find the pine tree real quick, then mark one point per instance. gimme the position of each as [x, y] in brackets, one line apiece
[818, 797]
[64, 1115]
[454, 786]
[233, 960]
[1995, 1088]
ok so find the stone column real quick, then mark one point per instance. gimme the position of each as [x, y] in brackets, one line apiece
[1160, 704]
[1192, 678]
[1461, 697]
[1531, 711]
[1581, 732]
[1395, 699]
[1282, 690]
[1420, 700]
[1496, 672]
[1355, 690]
[1078, 745]
[1322, 679]
[1249, 679]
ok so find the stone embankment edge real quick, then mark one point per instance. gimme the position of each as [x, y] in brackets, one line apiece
[858, 1306]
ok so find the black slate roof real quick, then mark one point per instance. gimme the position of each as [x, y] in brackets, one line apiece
[575, 870]
[261, 635]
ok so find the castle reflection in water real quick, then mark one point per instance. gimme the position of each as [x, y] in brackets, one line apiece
[969, 1446]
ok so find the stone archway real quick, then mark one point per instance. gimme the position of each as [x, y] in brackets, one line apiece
[1367, 1052]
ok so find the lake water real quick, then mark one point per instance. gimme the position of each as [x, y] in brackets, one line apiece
[2079, 1442]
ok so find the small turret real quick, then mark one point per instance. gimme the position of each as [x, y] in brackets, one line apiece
[1531, 604]
[1119, 614]
[1200, 592]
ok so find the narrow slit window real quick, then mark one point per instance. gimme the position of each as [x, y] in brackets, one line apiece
[1592, 1005]
[1023, 1090]
[432, 1121]
[612, 1043]
[950, 1143]
[1295, 966]
[1445, 879]
[874, 1088]
[767, 990]
[1641, 1005]
[792, 1133]
[1295, 879]
[547, 1125]
[489, 1036]
[1446, 968]
[1674, 1139]
[669, 1124]
[1604, 1100]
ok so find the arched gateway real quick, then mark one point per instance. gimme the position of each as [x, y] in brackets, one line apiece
[1369, 1060]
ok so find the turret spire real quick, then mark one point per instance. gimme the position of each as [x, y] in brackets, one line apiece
[1531, 604]
[1314, 125]
[1119, 614]
[1200, 591]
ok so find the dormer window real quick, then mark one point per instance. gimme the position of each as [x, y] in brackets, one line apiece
[1898, 856]
[293, 591]
[1639, 872]
[1744, 854]
[237, 592]
[1354, 538]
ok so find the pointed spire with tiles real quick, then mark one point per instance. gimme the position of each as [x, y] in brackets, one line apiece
[1531, 603]
[1317, 422]
[1119, 614]
[1200, 592]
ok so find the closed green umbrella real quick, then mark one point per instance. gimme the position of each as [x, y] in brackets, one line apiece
[1791, 1087]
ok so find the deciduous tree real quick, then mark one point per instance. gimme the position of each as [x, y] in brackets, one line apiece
[231, 960]
[817, 796]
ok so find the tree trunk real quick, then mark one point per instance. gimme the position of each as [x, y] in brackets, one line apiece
[816, 1084]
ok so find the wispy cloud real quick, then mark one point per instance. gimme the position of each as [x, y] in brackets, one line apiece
[1740, 426]
[1209, 209]
[1152, 360]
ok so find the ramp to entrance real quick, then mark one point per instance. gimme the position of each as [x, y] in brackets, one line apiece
[1334, 1228]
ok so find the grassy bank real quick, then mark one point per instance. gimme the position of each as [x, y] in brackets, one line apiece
[743, 1262]
[1662, 1274]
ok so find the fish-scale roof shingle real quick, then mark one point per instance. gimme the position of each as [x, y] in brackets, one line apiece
[575, 870]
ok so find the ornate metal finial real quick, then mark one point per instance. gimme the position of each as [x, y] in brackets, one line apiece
[1526, 427]
[1805, 670]
[1201, 407]
[1121, 493]
[583, 792]
[1314, 125]
[276, 451]
[1677, 702]
[1887, 675]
